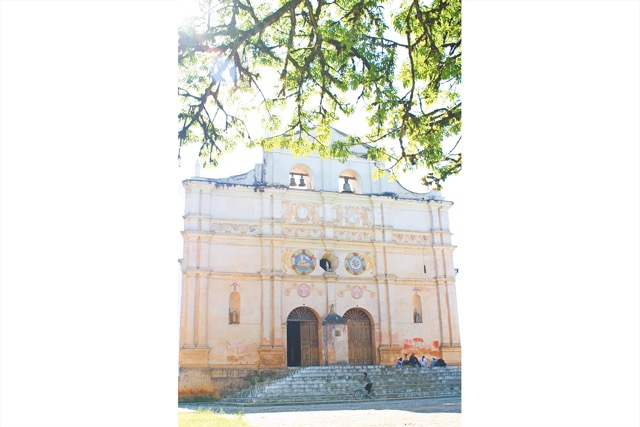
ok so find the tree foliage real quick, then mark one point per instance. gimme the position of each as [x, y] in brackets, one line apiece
[301, 65]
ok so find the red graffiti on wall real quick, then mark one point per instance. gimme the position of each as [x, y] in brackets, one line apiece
[414, 343]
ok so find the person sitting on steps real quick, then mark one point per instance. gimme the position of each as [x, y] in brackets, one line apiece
[413, 360]
[366, 379]
[441, 362]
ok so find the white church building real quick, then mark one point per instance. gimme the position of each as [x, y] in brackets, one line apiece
[308, 261]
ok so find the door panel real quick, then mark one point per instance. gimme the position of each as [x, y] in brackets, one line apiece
[360, 338]
[303, 347]
[293, 344]
[309, 347]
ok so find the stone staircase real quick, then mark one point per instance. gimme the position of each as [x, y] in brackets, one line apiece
[325, 384]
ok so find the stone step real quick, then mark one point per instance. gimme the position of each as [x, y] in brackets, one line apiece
[325, 384]
[346, 384]
[309, 399]
[304, 392]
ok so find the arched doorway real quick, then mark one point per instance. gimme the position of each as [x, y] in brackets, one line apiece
[361, 345]
[302, 338]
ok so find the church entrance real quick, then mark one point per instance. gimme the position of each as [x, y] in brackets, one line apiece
[302, 338]
[361, 344]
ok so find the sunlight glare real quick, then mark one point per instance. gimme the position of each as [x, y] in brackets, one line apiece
[187, 9]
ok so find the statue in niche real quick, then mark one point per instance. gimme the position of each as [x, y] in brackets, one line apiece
[233, 317]
[416, 316]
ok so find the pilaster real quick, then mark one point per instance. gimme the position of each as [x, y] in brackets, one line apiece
[388, 354]
[330, 278]
[453, 314]
[184, 312]
[266, 318]
[443, 306]
[190, 317]
[205, 245]
[452, 355]
[194, 358]
[435, 224]
[383, 309]
[390, 282]
[201, 311]
[272, 356]
[277, 310]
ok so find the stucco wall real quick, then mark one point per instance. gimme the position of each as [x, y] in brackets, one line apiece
[245, 239]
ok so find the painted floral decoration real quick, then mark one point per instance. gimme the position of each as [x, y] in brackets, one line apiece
[304, 262]
[354, 263]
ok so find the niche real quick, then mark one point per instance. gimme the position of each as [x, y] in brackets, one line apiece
[417, 309]
[234, 308]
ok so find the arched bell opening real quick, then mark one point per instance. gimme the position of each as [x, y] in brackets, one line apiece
[303, 343]
[301, 177]
[361, 337]
[350, 182]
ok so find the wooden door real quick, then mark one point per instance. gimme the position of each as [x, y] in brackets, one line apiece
[309, 348]
[303, 344]
[360, 338]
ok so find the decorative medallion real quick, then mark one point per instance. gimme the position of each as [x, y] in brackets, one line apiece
[356, 292]
[352, 216]
[354, 264]
[303, 290]
[303, 261]
[303, 212]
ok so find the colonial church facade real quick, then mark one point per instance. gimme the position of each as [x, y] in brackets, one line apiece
[306, 261]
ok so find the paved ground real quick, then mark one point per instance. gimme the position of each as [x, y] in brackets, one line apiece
[437, 412]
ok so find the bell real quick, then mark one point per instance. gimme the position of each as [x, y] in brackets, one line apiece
[292, 182]
[302, 183]
[346, 188]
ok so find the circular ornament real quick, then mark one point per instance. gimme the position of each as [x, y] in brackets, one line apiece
[303, 290]
[302, 212]
[354, 264]
[303, 261]
[356, 292]
[352, 216]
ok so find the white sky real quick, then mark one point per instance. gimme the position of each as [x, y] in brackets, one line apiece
[547, 211]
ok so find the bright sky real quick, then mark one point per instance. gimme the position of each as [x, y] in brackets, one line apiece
[547, 213]
[244, 159]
